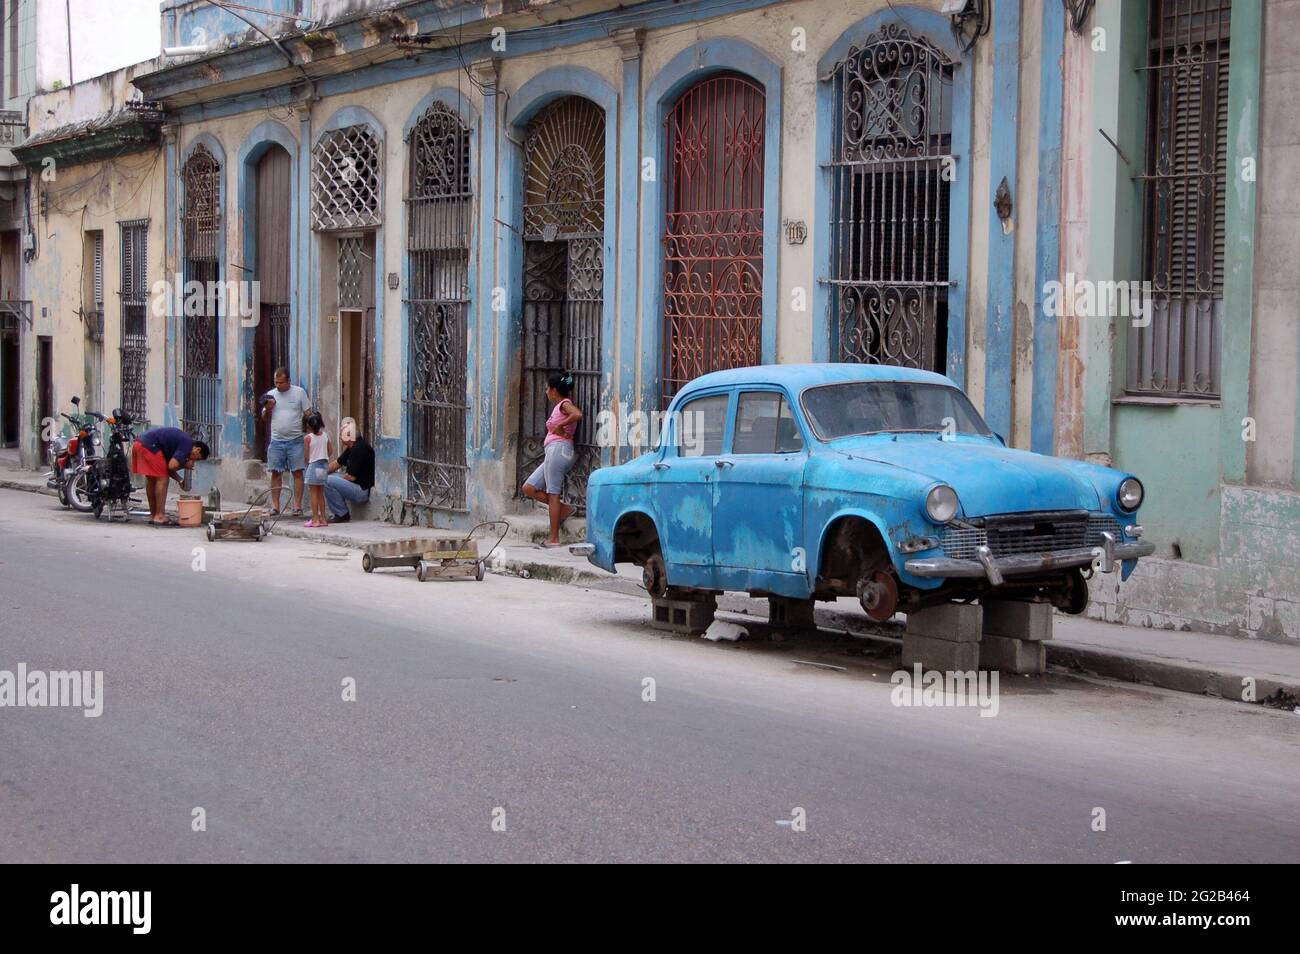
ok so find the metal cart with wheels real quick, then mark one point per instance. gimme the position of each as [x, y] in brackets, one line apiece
[255, 522]
[434, 558]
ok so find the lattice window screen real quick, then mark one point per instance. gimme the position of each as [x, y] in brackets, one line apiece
[346, 172]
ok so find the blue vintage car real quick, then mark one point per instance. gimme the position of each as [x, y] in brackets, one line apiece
[826, 480]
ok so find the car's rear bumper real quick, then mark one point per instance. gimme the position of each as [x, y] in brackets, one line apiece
[994, 569]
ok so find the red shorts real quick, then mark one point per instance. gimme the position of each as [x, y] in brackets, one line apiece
[150, 463]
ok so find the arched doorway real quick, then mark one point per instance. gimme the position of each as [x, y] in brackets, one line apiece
[891, 168]
[439, 213]
[713, 234]
[563, 280]
[346, 213]
[273, 177]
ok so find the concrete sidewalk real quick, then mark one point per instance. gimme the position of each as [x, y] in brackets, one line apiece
[1199, 663]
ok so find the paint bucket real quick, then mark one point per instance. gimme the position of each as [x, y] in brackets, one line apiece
[190, 511]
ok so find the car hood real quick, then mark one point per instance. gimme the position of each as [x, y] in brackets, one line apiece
[988, 477]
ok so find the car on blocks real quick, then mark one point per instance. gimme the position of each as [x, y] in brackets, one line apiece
[812, 482]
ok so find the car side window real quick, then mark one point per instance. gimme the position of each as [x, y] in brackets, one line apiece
[701, 424]
[765, 425]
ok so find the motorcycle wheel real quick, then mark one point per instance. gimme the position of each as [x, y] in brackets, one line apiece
[63, 493]
[77, 490]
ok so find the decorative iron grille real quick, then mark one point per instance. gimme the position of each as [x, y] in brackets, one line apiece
[564, 229]
[352, 272]
[201, 228]
[890, 169]
[439, 208]
[346, 171]
[135, 311]
[1176, 352]
[713, 237]
[278, 315]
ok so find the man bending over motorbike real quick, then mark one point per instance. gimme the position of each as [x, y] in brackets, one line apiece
[161, 453]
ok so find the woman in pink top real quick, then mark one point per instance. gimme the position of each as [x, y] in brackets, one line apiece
[547, 481]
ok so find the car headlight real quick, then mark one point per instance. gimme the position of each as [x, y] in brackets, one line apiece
[941, 504]
[1130, 494]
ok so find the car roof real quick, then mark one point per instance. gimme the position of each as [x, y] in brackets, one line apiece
[796, 377]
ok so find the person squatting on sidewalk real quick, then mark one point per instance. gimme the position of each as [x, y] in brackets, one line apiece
[351, 476]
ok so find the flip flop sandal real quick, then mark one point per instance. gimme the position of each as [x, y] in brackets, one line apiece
[297, 512]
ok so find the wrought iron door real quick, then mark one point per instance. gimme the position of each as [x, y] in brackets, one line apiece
[891, 167]
[713, 237]
[201, 226]
[439, 210]
[271, 337]
[563, 281]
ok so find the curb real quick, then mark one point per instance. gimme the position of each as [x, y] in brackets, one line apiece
[1071, 656]
[29, 488]
[1163, 675]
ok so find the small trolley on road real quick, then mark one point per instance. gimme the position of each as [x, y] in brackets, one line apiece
[434, 558]
[254, 522]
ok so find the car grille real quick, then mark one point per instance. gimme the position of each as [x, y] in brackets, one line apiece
[1027, 534]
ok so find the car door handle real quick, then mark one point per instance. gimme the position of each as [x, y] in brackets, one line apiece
[660, 465]
[720, 463]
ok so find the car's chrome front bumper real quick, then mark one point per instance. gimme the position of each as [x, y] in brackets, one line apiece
[994, 569]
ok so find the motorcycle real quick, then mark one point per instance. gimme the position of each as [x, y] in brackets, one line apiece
[108, 484]
[69, 457]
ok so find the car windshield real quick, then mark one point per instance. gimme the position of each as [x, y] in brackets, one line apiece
[873, 407]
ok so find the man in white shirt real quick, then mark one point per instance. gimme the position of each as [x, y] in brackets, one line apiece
[285, 406]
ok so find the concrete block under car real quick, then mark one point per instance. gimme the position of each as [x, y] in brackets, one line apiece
[942, 654]
[682, 616]
[1017, 619]
[954, 622]
[1008, 654]
[791, 614]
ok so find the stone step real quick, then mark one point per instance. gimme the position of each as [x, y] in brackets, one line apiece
[535, 527]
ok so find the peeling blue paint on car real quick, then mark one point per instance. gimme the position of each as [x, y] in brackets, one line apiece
[760, 519]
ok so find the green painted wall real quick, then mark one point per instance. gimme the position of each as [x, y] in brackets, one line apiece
[1182, 452]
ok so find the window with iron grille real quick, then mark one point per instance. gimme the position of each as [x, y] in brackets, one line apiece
[890, 170]
[201, 223]
[345, 180]
[1176, 352]
[135, 309]
[439, 210]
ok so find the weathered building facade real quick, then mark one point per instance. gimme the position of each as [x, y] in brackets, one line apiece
[469, 198]
[437, 204]
[1181, 148]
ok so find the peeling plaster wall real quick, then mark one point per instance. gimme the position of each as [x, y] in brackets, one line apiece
[1224, 513]
[82, 198]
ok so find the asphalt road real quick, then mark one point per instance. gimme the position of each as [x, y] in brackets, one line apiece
[223, 691]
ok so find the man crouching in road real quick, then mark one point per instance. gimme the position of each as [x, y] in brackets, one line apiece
[352, 475]
[161, 453]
